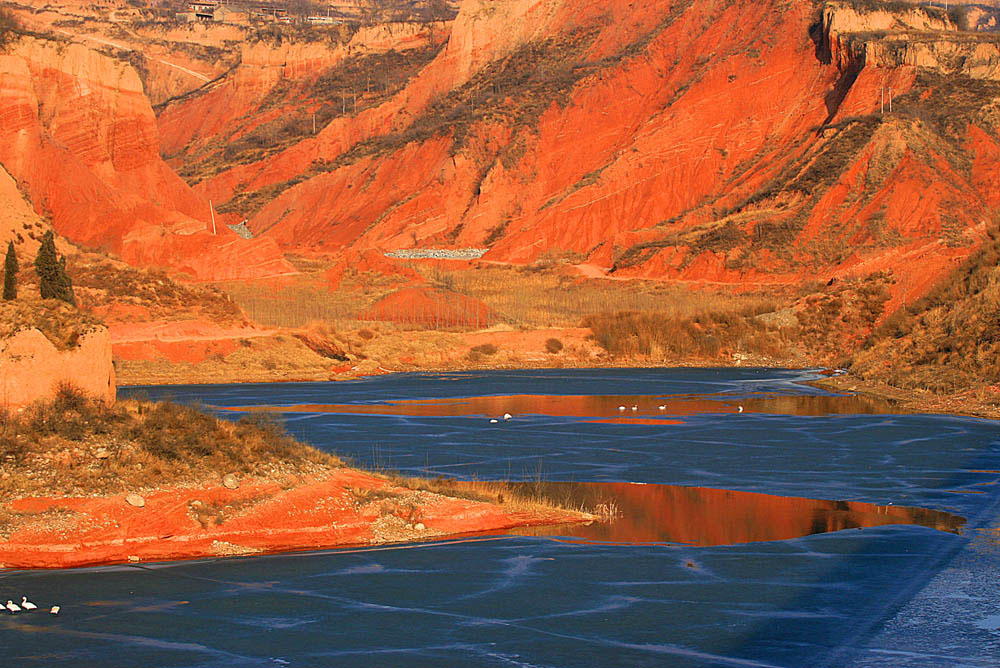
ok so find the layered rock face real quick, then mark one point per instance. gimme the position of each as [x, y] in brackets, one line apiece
[32, 368]
[18, 221]
[724, 142]
[721, 142]
[78, 135]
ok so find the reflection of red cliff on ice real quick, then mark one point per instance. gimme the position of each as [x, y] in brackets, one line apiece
[622, 408]
[705, 516]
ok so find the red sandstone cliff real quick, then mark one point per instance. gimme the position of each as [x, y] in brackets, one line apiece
[721, 142]
[78, 135]
[715, 141]
[32, 368]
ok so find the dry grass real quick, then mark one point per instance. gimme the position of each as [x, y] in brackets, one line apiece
[61, 323]
[823, 326]
[556, 296]
[948, 341]
[532, 496]
[709, 335]
[74, 446]
[100, 283]
[537, 296]
[298, 301]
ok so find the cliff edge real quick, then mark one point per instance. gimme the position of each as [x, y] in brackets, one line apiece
[44, 345]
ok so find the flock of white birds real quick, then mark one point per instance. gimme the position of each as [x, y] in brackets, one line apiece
[621, 409]
[27, 606]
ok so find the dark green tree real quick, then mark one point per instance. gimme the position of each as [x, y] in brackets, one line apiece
[10, 273]
[53, 282]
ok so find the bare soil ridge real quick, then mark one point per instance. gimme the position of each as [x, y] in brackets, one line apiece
[84, 483]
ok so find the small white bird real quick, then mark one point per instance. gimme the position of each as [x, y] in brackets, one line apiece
[635, 408]
[507, 416]
[739, 409]
[621, 409]
[494, 421]
[13, 607]
[26, 604]
[663, 407]
[54, 610]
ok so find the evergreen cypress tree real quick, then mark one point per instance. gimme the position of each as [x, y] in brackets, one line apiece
[10, 273]
[53, 282]
[65, 285]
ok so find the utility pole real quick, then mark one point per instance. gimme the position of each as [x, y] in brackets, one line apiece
[212, 209]
[890, 99]
[881, 92]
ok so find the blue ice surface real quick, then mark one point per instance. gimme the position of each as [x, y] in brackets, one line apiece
[858, 597]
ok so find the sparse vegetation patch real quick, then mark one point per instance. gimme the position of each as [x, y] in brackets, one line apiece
[74, 446]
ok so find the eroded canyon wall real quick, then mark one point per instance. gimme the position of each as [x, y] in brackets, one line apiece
[78, 135]
[716, 141]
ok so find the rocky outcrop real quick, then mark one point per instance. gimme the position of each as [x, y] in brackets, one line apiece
[920, 36]
[32, 368]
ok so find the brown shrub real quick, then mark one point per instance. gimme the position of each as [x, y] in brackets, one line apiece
[10, 28]
[662, 336]
[51, 449]
[61, 323]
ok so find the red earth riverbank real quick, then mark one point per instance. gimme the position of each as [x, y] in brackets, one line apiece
[343, 507]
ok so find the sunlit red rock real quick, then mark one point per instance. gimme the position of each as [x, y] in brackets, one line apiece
[79, 136]
[32, 368]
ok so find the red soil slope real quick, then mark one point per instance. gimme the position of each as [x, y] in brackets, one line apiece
[260, 516]
[78, 135]
[732, 142]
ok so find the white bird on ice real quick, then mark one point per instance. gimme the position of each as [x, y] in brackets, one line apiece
[494, 421]
[26, 604]
[663, 407]
[54, 610]
[635, 408]
[13, 607]
[621, 409]
[507, 416]
[739, 409]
